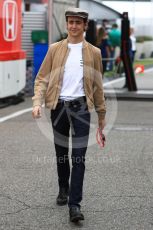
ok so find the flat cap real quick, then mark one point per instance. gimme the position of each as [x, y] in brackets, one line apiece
[76, 12]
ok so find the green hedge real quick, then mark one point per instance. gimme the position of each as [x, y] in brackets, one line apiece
[141, 39]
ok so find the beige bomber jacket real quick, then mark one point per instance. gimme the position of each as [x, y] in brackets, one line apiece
[49, 79]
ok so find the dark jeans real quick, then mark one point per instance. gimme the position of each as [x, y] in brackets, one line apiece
[104, 63]
[72, 115]
[111, 63]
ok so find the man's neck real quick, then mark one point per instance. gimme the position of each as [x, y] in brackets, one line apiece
[74, 40]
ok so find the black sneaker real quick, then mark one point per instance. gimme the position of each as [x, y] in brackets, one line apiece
[75, 214]
[62, 197]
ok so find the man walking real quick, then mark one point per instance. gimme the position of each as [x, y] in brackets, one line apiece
[70, 82]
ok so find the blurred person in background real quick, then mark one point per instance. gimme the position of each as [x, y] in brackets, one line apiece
[133, 44]
[106, 25]
[103, 44]
[114, 41]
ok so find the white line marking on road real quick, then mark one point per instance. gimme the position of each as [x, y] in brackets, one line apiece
[123, 78]
[16, 114]
[113, 81]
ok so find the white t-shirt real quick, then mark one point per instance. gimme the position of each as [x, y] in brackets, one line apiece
[72, 86]
[133, 42]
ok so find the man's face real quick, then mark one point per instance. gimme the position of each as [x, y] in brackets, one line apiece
[76, 26]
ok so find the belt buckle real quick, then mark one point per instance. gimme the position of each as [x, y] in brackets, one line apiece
[66, 103]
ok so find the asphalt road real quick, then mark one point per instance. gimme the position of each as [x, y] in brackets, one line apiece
[118, 186]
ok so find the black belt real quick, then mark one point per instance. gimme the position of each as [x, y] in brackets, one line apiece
[77, 101]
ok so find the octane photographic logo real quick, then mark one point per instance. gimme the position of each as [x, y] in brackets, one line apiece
[45, 126]
[10, 20]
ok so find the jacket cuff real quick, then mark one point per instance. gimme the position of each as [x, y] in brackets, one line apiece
[37, 102]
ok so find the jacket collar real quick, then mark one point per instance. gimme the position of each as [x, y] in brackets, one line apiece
[85, 43]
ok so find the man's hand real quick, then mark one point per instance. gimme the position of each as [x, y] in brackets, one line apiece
[102, 124]
[36, 112]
